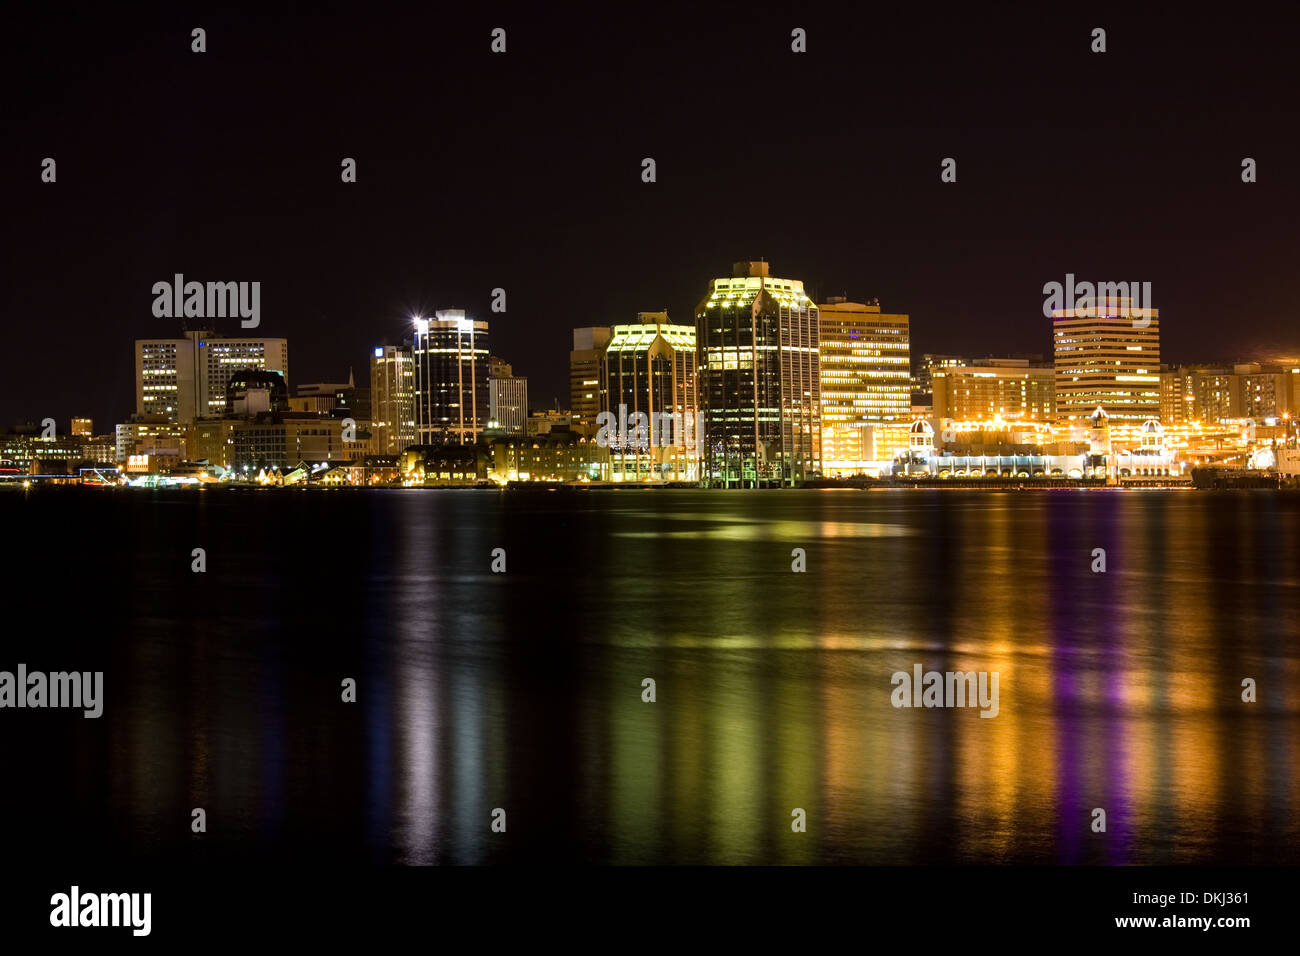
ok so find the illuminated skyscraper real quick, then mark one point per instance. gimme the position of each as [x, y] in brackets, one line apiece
[759, 393]
[865, 378]
[392, 398]
[450, 353]
[648, 391]
[1108, 356]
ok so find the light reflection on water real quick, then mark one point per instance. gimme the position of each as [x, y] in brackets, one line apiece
[522, 690]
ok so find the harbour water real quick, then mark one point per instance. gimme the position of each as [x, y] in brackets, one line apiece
[523, 690]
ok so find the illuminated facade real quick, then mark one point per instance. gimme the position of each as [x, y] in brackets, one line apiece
[1010, 388]
[185, 378]
[865, 379]
[508, 403]
[758, 385]
[1220, 393]
[392, 398]
[648, 397]
[451, 378]
[1109, 356]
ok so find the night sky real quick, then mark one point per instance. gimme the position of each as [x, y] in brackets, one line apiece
[523, 171]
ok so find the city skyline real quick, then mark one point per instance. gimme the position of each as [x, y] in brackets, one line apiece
[766, 387]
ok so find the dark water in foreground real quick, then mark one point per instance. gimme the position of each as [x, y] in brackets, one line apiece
[523, 690]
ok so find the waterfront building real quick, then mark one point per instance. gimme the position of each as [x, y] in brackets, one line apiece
[758, 379]
[648, 400]
[1107, 355]
[451, 378]
[865, 361]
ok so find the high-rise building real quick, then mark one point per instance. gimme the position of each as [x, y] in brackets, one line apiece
[392, 398]
[759, 392]
[922, 380]
[508, 403]
[450, 352]
[865, 362]
[648, 390]
[584, 377]
[185, 378]
[1008, 388]
[1107, 356]
[82, 428]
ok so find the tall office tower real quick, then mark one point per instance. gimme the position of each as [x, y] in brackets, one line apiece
[451, 378]
[82, 427]
[1010, 388]
[499, 367]
[866, 368]
[584, 377]
[757, 338]
[392, 398]
[649, 370]
[1107, 356]
[508, 403]
[185, 378]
